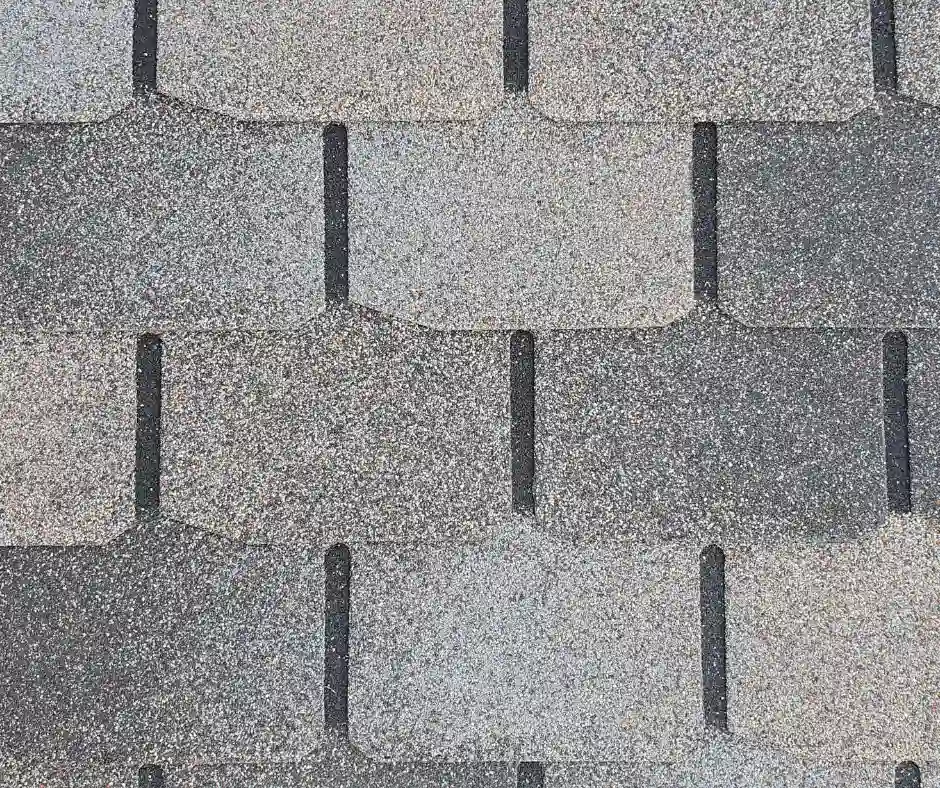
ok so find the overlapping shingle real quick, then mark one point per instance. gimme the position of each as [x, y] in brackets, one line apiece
[275, 60]
[525, 649]
[161, 218]
[522, 222]
[833, 224]
[832, 648]
[67, 414]
[358, 427]
[675, 59]
[708, 427]
[164, 645]
[924, 422]
[917, 23]
[64, 61]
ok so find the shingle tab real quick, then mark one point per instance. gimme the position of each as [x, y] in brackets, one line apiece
[63, 61]
[295, 60]
[707, 426]
[359, 427]
[917, 26]
[161, 646]
[67, 775]
[677, 59]
[529, 648]
[832, 648]
[522, 222]
[924, 420]
[160, 218]
[67, 416]
[832, 225]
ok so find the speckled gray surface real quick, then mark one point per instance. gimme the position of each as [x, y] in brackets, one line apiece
[832, 648]
[832, 225]
[924, 420]
[165, 645]
[358, 428]
[162, 218]
[917, 23]
[277, 60]
[66, 775]
[64, 61]
[525, 648]
[675, 59]
[708, 427]
[67, 415]
[521, 222]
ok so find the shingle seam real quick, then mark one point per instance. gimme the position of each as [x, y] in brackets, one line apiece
[150, 777]
[144, 50]
[907, 775]
[516, 46]
[530, 774]
[522, 420]
[884, 46]
[705, 211]
[336, 212]
[897, 445]
[337, 576]
[714, 642]
[147, 441]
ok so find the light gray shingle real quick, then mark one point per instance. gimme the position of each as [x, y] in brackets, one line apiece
[917, 28]
[662, 60]
[924, 420]
[521, 222]
[161, 218]
[297, 60]
[357, 428]
[67, 421]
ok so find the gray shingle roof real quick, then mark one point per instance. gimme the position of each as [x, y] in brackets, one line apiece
[628, 421]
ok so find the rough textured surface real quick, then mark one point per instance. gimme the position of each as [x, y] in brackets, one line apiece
[832, 225]
[525, 649]
[917, 23]
[62, 60]
[161, 218]
[832, 648]
[276, 60]
[924, 420]
[67, 416]
[67, 775]
[709, 427]
[725, 59]
[520, 222]
[357, 428]
[163, 645]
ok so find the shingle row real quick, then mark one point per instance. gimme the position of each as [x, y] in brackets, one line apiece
[178, 646]
[608, 59]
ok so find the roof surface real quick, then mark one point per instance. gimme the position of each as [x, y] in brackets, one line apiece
[465, 393]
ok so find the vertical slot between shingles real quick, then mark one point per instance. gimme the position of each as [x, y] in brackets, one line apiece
[522, 420]
[150, 777]
[897, 449]
[907, 775]
[705, 211]
[516, 45]
[144, 47]
[714, 646]
[884, 46]
[147, 443]
[337, 568]
[336, 212]
[530, 775]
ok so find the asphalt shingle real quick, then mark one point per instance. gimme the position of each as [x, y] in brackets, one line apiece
[832, 648]
[67, 420]
[296, 60]
[357, 428]
[164, 645]
[660, 60]
[525, 649]
[62, 61]
[67, 775]
[924, 420]
[917, 23]
[708, 427]
[521, 222]
[834, 224]
[161, 218]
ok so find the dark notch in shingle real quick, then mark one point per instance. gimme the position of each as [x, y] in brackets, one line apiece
[147, 462]
[705, 210]
[516, 45]
[150, 777]
[883, 46]
[530, 775]
[714, 653]
[144, 57]
[897, 449]
[337, 567]
[907, 775]
[336, 212]
[522, 420]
